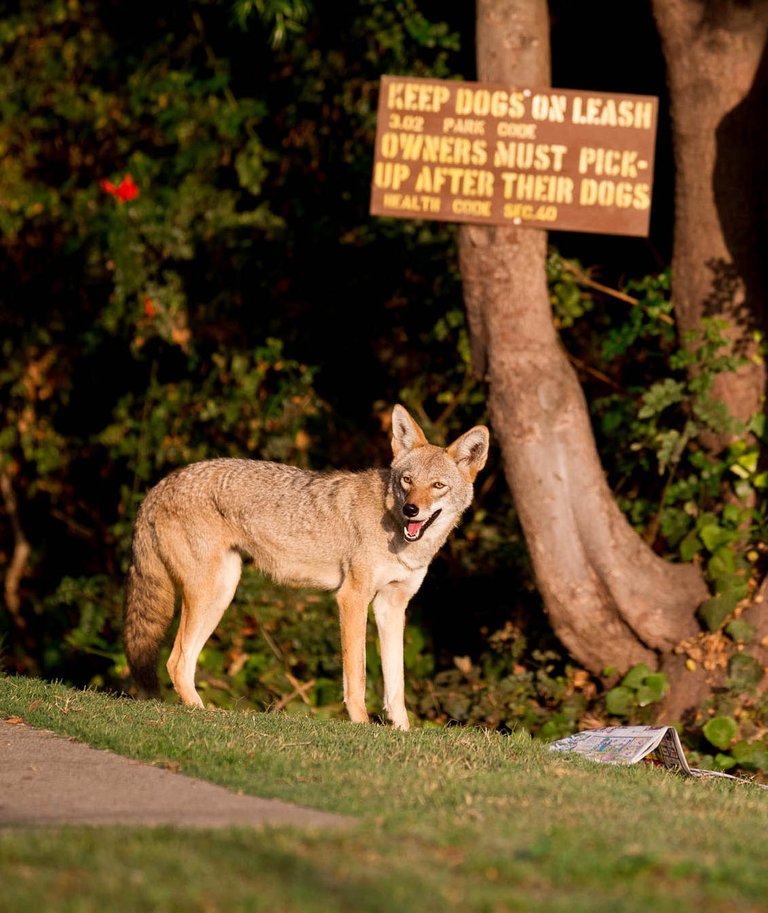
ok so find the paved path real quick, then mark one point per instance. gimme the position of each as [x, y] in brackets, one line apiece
[46, 779]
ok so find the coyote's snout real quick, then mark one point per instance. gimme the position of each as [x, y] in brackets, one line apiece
[369, 535]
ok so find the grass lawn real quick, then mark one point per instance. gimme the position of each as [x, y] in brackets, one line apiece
[449, 819]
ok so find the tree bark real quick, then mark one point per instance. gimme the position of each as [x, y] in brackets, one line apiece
[609, 598]
[717, 73]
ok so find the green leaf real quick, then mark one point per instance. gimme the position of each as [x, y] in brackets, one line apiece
[619, 701]
[720, 731]
[733, 584]
[714, 536]
[748, 461]
[690, 546]
[669, 445]
[714, 611]
[734, 515]
[739, 630]
[757, 424]
[660, 395]
[745, 670]
[721, 564]
[724, 761]
[653, 689]
[744, 752]
[636, 675]
[752, 755]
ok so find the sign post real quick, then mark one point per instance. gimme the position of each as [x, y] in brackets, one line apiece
[493, 154]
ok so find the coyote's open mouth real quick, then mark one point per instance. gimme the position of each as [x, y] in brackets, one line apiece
[415, 529]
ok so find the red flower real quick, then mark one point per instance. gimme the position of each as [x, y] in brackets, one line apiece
[126, 190]
[149, 307]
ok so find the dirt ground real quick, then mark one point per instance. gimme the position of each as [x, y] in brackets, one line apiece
[48, 780]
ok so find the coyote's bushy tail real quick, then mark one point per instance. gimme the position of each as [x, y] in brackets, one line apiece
[150, 599]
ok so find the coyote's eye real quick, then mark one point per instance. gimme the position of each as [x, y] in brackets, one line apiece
[438, 484]
[406, 480]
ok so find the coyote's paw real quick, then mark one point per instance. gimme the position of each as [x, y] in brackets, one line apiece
[358, 714]
[401, 722]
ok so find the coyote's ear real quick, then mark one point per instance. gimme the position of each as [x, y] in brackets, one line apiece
[470, 451]
[406, 434]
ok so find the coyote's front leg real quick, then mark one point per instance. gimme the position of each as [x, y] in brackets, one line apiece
[353, 600]
[389, 610]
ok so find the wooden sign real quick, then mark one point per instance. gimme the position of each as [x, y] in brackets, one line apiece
[502, 155]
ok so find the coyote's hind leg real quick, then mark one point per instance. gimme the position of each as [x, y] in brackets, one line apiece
[204, 600]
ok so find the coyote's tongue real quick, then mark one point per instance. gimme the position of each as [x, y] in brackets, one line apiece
[414, 526]
[415, 529]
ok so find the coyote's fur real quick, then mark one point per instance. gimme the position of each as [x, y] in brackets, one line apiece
[370, 535]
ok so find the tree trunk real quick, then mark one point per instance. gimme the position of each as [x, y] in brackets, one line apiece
[717, 73]
[609, 598]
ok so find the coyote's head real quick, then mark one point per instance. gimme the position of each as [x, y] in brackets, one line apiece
[432, 486]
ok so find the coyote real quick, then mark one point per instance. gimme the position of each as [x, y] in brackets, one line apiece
[369, 535]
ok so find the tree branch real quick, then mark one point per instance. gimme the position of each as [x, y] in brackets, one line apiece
[21, 550]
